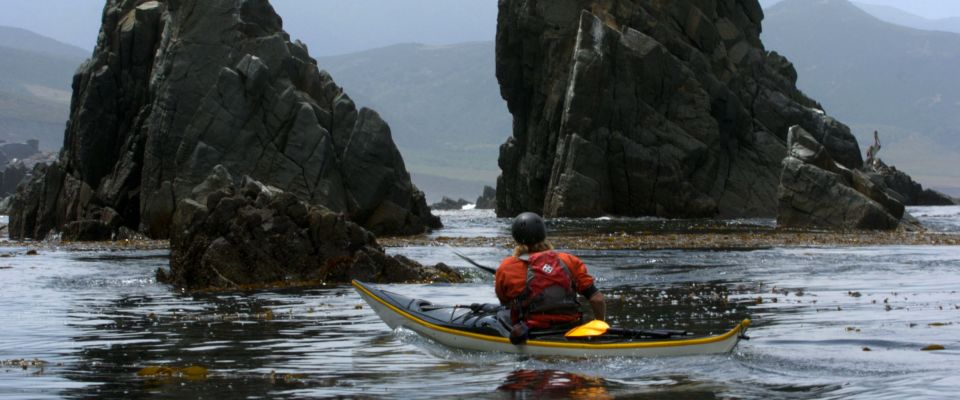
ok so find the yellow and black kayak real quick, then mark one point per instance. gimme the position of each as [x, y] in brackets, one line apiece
[480, 329]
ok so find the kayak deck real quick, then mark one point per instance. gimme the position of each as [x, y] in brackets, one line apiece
[461, 327]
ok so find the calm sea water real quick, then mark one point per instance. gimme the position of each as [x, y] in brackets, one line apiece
[98, 318]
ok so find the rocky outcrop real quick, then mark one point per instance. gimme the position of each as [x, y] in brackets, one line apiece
[638, 107]
[176, 87]
[11, 176]
[817, 192]
[910, 192]
[447, 203]
[16, 161]
[488, 199]
[237, 234]
[14, 151]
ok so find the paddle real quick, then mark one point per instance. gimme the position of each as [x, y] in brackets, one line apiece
[474, 263]
[598, 328]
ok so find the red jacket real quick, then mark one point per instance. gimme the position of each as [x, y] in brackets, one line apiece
[511, 281]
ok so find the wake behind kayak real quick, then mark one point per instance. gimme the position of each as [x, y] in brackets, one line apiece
[480, 330]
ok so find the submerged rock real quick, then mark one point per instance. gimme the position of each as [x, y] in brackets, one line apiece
[666, 108]
[177, 87]
[488, 199]
[817, 192]
[230, 235]
[447, 203]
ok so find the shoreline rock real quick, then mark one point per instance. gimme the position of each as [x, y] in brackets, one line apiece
[234, 235]
[817, 192]
[447, 203]
[911, 193]
[487, 199]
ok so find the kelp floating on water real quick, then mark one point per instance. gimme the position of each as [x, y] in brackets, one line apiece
[696, 241]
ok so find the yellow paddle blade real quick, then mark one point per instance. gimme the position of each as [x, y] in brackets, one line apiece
[589, 329]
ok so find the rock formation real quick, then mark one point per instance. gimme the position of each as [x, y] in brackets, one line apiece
[447, 203]
[13, 151]
[817, 192]
[234, 234]
[488, 199]
[909, 191]
[176, 87]
[11, 176]
[641, 107]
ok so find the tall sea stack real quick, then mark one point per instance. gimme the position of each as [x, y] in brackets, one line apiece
[647, 107]
[176, 87]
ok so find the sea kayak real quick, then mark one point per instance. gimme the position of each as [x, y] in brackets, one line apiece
[480, 329]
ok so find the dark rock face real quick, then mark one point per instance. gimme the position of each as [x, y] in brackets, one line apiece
[930, 197]
[910, 192]
[488, 199]
[176, 87]
[236, 234]
[447, 203]
[817, 192]
[638, 107]
[10, 177]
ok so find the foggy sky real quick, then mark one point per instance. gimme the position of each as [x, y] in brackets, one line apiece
[342, 26]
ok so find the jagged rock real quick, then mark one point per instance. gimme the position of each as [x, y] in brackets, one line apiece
[487, 200]
[667, 108]
[817, 192]
[13, 151]
[447, 203]
[176, 87]
[249, 233]
[911, 192]
[11, 176]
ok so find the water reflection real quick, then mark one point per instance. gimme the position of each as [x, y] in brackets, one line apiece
[535, 384]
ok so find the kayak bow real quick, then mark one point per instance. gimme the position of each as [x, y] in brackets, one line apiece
[463, 328]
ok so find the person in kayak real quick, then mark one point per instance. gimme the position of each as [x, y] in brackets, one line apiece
[540, 285]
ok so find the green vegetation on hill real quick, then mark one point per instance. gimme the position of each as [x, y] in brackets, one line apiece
[443, 105]
[873, 74]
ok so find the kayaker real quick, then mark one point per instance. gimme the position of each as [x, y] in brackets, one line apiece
[540, 285]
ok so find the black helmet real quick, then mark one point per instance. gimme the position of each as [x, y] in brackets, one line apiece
[528, 228]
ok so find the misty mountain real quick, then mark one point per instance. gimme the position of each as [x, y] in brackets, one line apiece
[872, 74]
[443, 105]
[900, 17]
[35, 77]
[22, 39]
[334, 27]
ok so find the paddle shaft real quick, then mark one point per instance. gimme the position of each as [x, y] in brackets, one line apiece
[474, 263]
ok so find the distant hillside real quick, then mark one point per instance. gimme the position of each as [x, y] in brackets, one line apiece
[35, 78]
[873, 74]
[899, 17]
[443, 105]
[22, 39]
